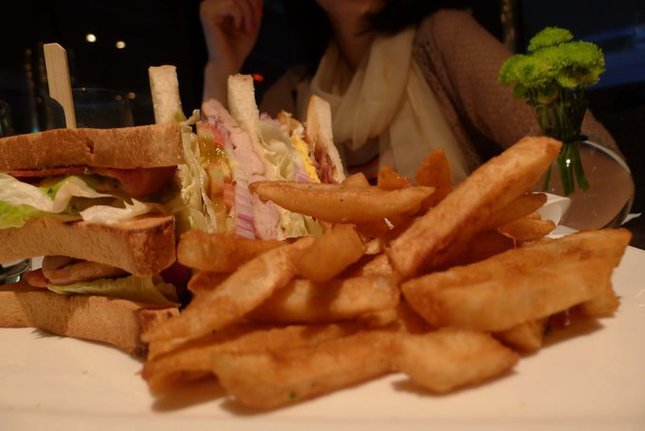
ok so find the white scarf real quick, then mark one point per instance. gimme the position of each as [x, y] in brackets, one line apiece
[387, 98]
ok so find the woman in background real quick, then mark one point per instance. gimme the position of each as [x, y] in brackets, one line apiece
[403, 77]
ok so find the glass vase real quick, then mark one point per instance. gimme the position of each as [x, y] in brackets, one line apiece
[610, 193]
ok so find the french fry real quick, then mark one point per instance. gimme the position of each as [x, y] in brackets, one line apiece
[603, 305]
[273, 379]
[356, 180]
[435, 172]
[527, 229]
[374, 245]
[483, 245]
[191, 361]
[451, 358]
[330, 254]
[306, 302]
[165, 370]
[525, 337]
[379, 319]
[469, 208]
[219, 252]
[521, 284]
[522, 206]
[447, 286]
[383, 230]
[204, 281]
[409, 321]
[240, 293]
[389, 179]
[378, 265]
[341, 204]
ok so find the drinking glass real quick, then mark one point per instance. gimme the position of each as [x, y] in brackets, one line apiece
[101, 108]
[10, 272]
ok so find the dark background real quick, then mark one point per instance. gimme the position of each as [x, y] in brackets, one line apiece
[159, 32]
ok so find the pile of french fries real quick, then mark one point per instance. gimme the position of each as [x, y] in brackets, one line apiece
[449, 286]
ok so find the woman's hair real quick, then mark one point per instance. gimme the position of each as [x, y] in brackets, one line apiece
[311, 25]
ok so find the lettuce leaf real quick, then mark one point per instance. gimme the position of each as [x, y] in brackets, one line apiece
[277, 151]
[133, 288]
[280, 156]
[16, 216]
[195, 209]
[52, 199]
[20, 202]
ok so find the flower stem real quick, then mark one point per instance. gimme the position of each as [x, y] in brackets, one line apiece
[566, 175]
[577, 166]
[562, 120]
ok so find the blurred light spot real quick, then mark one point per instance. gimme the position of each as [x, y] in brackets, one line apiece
[91, 38]
[132, 95]
[120, 44]
[258, 77]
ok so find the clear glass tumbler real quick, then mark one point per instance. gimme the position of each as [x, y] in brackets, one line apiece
[10, 272]
[101, 108]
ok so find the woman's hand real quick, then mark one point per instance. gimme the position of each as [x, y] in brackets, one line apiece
[231, 28]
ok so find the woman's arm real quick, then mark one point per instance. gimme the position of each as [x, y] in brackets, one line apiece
[230, 29]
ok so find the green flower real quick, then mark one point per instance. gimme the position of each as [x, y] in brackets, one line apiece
[554, 59]
[550, 36]
[552, 77]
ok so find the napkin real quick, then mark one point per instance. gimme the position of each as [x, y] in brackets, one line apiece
[554, 208]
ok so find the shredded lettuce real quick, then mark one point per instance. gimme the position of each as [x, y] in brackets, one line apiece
[283, 165]
[277, 151]
[133, 288]
[52, 199]
[20, 202]
[197, 209]
[16, 216]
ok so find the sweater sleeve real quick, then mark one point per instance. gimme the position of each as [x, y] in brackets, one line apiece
[467, 61]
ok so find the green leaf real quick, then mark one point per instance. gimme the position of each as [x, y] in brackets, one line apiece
[68, 196]
[16, 216]
[54, 198]
[133, 288]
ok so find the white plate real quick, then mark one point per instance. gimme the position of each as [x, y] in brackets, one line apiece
[590, 378]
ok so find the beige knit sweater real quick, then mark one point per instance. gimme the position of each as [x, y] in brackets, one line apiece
[460, 61]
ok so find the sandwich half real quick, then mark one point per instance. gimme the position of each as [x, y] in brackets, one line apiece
[99, 206]
[241, 146]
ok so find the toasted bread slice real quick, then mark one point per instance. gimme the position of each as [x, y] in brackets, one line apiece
[166, 100]
[142, 246]
[147, 146]
[117, 322]
[321, 136]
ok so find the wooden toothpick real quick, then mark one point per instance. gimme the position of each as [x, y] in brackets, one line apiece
[60, 87]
